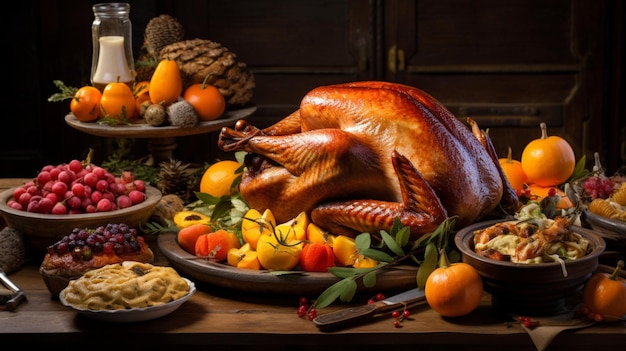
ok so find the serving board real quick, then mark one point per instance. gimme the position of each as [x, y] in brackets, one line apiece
[263, 281]
[143, 130]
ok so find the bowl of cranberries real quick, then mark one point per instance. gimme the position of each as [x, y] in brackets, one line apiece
[74, 195]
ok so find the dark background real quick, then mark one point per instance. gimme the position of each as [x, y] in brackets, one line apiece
[508, 64]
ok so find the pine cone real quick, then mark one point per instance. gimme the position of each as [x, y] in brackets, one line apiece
[174, 178]
[198, 58]
[160, 32]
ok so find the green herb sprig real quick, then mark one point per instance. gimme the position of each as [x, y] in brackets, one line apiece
[393, 249]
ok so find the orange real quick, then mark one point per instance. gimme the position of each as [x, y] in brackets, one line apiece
[514, 172]
[207, 101]
[549, 160]
[85, 104]
[118, 102]
[218, 179]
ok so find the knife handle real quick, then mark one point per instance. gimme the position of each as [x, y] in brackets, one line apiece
[341, 318]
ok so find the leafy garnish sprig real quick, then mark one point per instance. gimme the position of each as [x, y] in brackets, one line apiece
[393, 249]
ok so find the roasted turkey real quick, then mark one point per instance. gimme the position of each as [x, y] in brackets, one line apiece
[356, 156]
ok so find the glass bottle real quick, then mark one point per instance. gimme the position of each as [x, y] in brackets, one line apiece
[111, 32]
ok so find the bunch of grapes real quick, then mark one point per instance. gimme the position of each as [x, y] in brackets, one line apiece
[82, 243]
[598, 187]
[72, 188]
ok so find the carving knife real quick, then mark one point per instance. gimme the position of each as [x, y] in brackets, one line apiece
[350, 316]
[18, 294]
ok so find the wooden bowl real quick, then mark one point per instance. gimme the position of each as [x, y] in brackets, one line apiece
[530, 289]
[42, 230]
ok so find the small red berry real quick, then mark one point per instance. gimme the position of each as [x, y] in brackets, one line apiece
[302, 310]
[397, 324]
[395, 314]
[406, 314]
[312, 314]
[380, 297]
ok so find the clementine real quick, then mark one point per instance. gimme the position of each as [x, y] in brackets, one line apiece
[220, 178]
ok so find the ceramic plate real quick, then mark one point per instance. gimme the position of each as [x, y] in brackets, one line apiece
[134, 314]
[604, 225]
[263, 281]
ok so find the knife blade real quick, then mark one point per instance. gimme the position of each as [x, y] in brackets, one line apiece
[350, 316]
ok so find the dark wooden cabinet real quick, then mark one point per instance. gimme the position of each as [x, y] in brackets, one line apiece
[507, 64]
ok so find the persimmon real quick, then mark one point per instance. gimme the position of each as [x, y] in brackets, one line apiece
[549, 160]
[295, 228]
[184, 219]
[514, 171]
[216, 245]
[166, 83]
[254, 224]
[206, 99]
[315, 234]
[604, 295]
[276, 254]
[118, 102]
[141, 92]
[346, 253]
[85, 104]
[317, 257]
[453, 290]
[188, 236]
[244, 257]
[538, 192]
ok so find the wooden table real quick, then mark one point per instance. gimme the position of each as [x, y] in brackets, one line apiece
[219, 319]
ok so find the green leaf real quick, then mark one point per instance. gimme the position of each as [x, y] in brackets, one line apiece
[333, 292]
[454, 256]
[348, 291]
[403, 236]
[579, 171]
[222, 209]
[363, 241]
[377, 255]
[391, 243]
[343, 272]
[428, 266]
[206, 198]
[369, 279]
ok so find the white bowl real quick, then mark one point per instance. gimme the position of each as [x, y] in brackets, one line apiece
[133, 314]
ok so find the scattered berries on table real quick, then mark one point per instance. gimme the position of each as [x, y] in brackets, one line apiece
[528, 322]
[306, 309]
